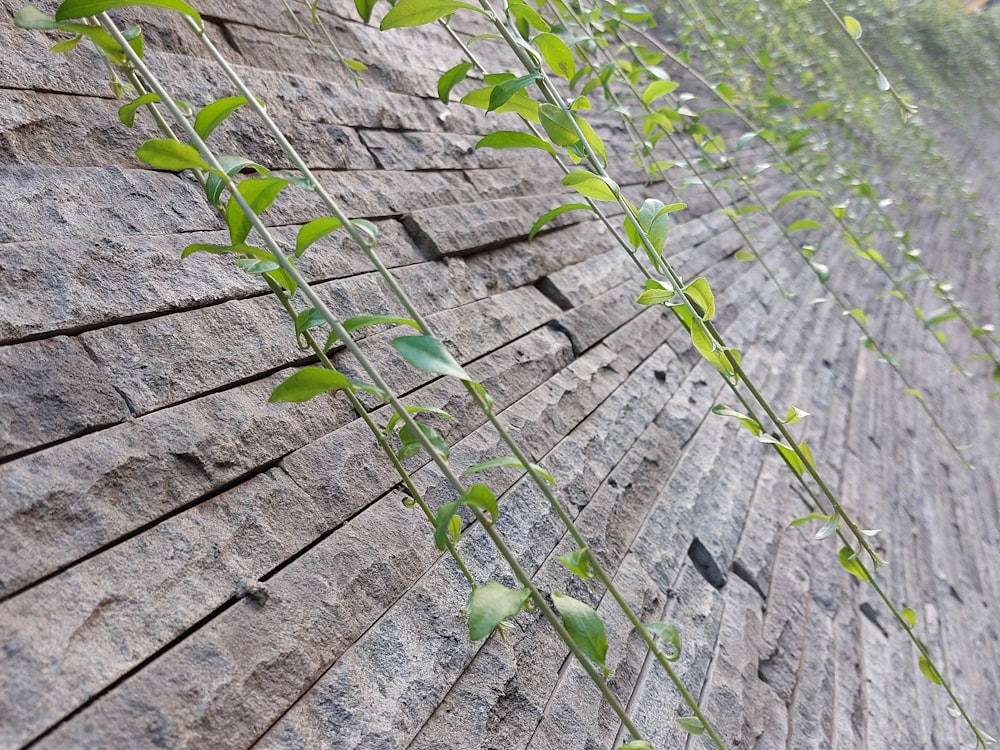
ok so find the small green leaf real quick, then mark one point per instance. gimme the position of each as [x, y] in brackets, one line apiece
[797, 194]
[365, 8]
[213, 115]
[361, 321]
[514, 139]
[637, 745]
[796, 226]
[699, 292]
[502, 93]
[420, 12]
[657, 89]
[928, 670]
[747, 421]
[396, 419]
[557, 125]
[30, 17]
[669, 635]
[505, 461]
[745, 255]
[655, 296]
[482, 497]
[520, 103]
[313, 231]
[427, 353]
[850, 563]
[550, 215]
[556, 54]
[410, 440]
[309, 382]
[451, 78]
[306, 320]
[852, 26]
[858, 314]
[592, 186]
[807, 519]
[126, 113]
[491, 604]
[259, 193]
[356, 65]
[455, 528]
[910, 616]
[232, 166]
[585, 627]
[442, 523]
[794, 415]
[67, 45]
[87, 8]
[171, 156]
[830, 527]
[691, 724]
[578, 562]
[915, 393]
[529, 15]
[255, 265]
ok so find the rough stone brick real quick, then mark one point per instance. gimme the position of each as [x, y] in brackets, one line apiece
[584, 281]
[59, 203]
[69, 500]
[460, 229]
[52, 390]
[417, 151]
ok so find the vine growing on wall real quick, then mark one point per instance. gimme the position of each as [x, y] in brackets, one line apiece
[566, 53]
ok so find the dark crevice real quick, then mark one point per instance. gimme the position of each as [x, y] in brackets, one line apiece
[747, 577]
[223, 27]
[577, 345]
[868, 611]
[546, 286]
[11, 457]
[705, 564]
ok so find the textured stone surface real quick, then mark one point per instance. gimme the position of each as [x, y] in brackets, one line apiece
[210, 570]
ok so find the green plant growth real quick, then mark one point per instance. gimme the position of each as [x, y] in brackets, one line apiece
[557, 47]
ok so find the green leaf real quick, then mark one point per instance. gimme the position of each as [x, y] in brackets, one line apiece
[585, 627]
[592, 186]
[482, 497]
[669, 635]
[232, 166]
[700, 293]
[213, 115]
[850, 563]
[412, 444]
[829, 528]
[503, 92]
[442, 522]
[255, 265]
[807, 519]
[795, 226]
[578, 562]
[928, 670]
[910, 616]
[797, 194]
[259, 193]
[86, 8]
[455, 528]
[30, 17]
[307, 319]
[420, 12]
[514, 139]
[427, 353]
[550, 215]
[852, 26]
[520, 103]
[858, 314]
[557, 125]
[67, 45]
[451, 78]
[691, 724]
[361, 321]
[657, 89]
[395, 418]
[655, 296]
[171, 156]
[637, 745]
[313, 231]
[747, 421]
[505, 461]
[309, 382]
[818, 110]
[529, 15]
[365, 8]
[794, 415]
[556, 54]
[491, 604]
[353, 64]
[126, 113]
[745, 255]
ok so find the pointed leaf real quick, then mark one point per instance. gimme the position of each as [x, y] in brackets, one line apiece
[313, 231]
[928, 670]
[482, 497]
[669, 635]
[171, 156]
[797, 194]
[309, 382]
[557, 125]
[259, 194]
[529, 15]
[508, 461]
[550, 215]
[126, 113]
[700, 293]
[86, 8]
[592, 185]
[585, 627]
[910, 616]
[657, 89]
[213, 115]
[852, 26]
[850, 563]
[490, 605]
[232, 166]
[514, 139]
[361, 321]
[803, 224]
[556, 54]
[691, 724]
[451, 78]
[578, 562]
[427, 353]
[503, 92]
[442, 522]
[420, 12]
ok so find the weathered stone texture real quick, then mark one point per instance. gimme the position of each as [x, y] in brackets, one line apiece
[183, 564]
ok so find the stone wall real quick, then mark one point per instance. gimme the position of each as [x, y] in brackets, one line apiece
[183, 564]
